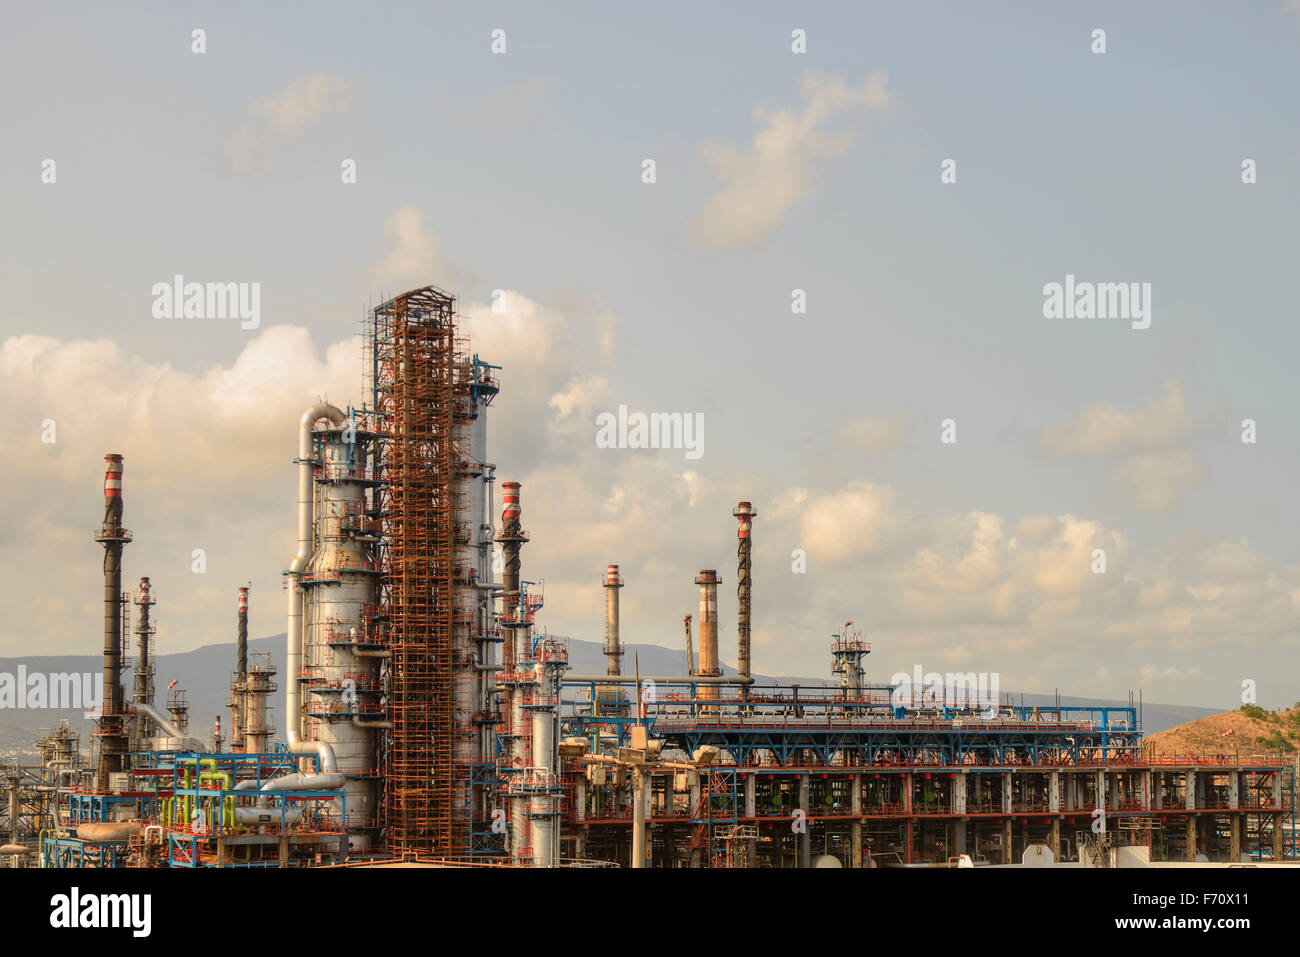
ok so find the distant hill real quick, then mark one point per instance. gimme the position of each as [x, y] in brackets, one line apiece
[205, 674]
[1248, 731]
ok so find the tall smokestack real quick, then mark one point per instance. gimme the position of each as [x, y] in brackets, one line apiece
[744, 513]
[241, 635]
[708, 582]
[613, 650]
[113, 536]
[512, 538]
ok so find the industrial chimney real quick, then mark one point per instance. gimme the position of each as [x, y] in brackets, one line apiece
[744, 513]
[708, 582]
[613, 650]
[241, 635]
[113, 536]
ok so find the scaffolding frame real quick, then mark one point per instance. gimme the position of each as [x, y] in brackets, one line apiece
[421, 400]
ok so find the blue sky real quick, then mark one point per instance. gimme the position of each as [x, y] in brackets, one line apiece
[522, 172]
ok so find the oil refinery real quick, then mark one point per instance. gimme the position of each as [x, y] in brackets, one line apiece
[428, 720]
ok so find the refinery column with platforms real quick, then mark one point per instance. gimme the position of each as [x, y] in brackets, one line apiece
[427, 719]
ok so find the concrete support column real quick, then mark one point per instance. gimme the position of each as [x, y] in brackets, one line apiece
[1006, 841]
[1191, 838]
[1101, 791]
[805, 839]
[959, 793]
[1006, 795]
[1234, 838]
[1054, 839]
[1234, 791]
[1146, 789]
[1054, 793]
[1158, 791]
[1277, 837]
[1189, 789]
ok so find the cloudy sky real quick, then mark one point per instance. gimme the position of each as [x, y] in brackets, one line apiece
[774, 171]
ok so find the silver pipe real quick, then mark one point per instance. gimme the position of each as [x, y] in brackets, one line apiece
[661, 679]
[304, 782]
[171, 730]
[293, 663]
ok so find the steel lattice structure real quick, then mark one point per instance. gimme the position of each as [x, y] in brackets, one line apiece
[421, 400]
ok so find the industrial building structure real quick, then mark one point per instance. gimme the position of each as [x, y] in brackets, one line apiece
[427, 718]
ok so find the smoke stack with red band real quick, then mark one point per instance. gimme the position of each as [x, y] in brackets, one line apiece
[744, 513]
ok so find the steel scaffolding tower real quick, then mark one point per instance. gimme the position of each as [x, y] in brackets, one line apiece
[420, 392]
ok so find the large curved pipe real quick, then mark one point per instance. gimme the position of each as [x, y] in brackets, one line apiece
[293, 664]
[162, 722]
[304, 782]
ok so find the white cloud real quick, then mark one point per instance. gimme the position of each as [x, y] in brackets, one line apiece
[873, 434]
[847, 523]
[299, 107]
[1102, 429]
[411, 257]
[208, 459]
[1157, 481]
[788, 155]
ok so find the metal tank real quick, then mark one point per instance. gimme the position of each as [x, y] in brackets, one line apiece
[340, 660]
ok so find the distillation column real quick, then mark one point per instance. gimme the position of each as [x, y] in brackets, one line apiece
[340, 659]
[550, 661]
[143, 690]
[239, 686]
[483, 390]
[512, 538]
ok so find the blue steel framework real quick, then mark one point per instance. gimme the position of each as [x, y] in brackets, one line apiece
[782, 734]
[177, 776]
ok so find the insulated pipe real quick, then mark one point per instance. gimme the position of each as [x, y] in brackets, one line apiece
[613, 650]
[695, 679]
[304, 782]
[744, 513]
[109, 830]
[167, 726]
[293, 664]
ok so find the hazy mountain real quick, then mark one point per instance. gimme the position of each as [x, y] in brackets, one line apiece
[205, 673]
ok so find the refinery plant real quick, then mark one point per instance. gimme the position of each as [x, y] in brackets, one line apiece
[427, 718]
